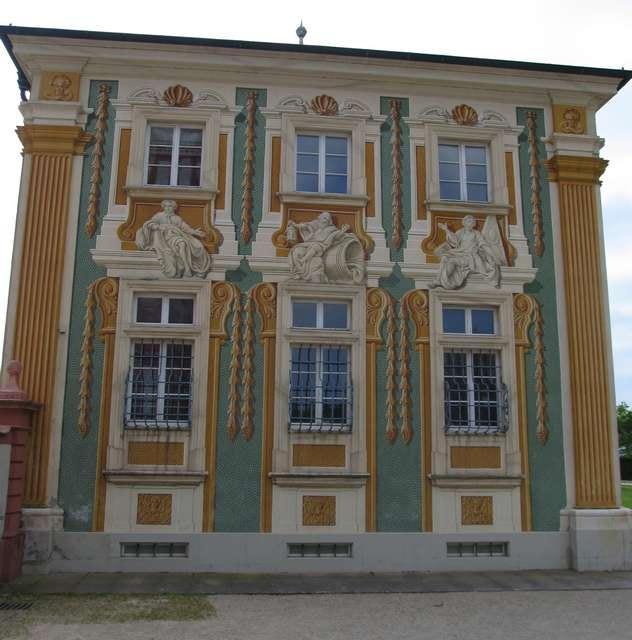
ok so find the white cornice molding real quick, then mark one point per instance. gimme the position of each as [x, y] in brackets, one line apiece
[569, 144]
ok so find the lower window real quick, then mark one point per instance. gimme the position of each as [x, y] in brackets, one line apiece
[475, 398]
[320, 394]
[158, 390]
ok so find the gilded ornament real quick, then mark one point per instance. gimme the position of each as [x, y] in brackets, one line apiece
[94, 196]
[247, 407]
[391, 371]
[534, 179]
[477, 510]
[324, 105]
[265, 295]
[396, 172]
[319, 511]
[248, 179]
[178, 96]
[464, 114]
[234, 367]
[569, 119]
[154, 508]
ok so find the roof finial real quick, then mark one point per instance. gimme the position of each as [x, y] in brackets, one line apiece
[301, 32]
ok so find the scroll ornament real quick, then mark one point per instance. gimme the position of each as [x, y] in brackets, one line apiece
[176, 244]
[469, 251]
[324, 253]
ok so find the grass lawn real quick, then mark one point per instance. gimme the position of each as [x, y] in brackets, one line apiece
[626, 493]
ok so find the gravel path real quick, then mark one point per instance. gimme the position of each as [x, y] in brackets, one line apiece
[555, 615]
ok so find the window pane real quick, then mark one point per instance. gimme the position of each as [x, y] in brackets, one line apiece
[306, 182]
[191, 137]
[303, 384]
[180, 311]
[334, 315]
[336, 164]
[304, 314]
[336, 145]
[450, 190]
[476, 173]
[485, 381]
[448, 171]
[190, 156]
[307, 144]
[159, 155]
[475, 155]
[149, 310]
[455, 393]
[483, 321]
[307, 163]
[336, 184]
[158, 175]
[178, 383]
[335, 387]
[144, 378]
[448, 152]
[189, 176]
[477, 192]
[453, 320]
[161, 135]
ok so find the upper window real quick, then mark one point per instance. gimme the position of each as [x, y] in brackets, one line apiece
[307, 314]
[469, 321]
[163, 310]
[463, 172]
[322, 163]
[174, 155]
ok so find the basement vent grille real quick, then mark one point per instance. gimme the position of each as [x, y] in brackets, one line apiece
[15, 606]
[477, 549]
[154, 550]
[319, 550]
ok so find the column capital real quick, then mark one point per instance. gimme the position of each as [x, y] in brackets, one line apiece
[61, 139]
[578, 169]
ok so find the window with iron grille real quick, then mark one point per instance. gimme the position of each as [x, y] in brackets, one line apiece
[158, 389]
[475, 397]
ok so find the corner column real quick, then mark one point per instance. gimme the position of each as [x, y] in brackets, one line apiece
[51, 149]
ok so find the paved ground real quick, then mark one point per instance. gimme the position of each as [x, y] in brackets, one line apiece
[215, 583]
[538, 615]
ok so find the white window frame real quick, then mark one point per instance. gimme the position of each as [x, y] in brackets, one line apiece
[462, 164]
[468, 319]
[320, 313]
[322, 160]
[164, 312]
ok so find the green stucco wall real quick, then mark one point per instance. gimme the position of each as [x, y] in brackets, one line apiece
[546, 462]
[78, 455]
[239, 141]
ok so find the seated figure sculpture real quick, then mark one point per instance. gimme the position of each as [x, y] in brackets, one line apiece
[470, 251]
[179, 251]
[325, 253]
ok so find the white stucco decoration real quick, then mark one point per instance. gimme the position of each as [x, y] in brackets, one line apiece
[324, 253]
[470, 251]
[292, 104]
[493, 118]
[144, 96]
[353, 107]
[177, 245]
[210, 99]
[434, 113]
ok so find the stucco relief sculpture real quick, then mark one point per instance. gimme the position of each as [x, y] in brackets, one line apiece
[59, 88]
[320, 252]
[470, 251]
[177, 245]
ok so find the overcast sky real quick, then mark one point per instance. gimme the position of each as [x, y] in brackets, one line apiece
[578, 32]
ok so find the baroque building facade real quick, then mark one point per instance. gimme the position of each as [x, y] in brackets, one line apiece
[275, 298]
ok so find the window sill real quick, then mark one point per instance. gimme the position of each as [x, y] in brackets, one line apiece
[465, 206]
[479, 480]
[149, 477]
[319, 479]
[169, 192]
[307, 197]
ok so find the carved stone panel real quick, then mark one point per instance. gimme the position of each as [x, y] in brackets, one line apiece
[569, 119]
[154, 508]
[60, 86]
[319, 511]
[477, 510]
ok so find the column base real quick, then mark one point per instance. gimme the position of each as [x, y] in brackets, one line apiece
[600, 539]
[38, 525]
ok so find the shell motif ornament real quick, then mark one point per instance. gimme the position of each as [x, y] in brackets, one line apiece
[178, 96]
[324, 105]
[464, 114]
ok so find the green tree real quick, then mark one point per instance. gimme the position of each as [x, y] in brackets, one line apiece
[624, 422]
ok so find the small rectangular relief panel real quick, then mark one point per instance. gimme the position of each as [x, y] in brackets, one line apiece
[60, 86]
[475, 457]
[154, 508]
[318, 455]
[477, 510]
[319, 511]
